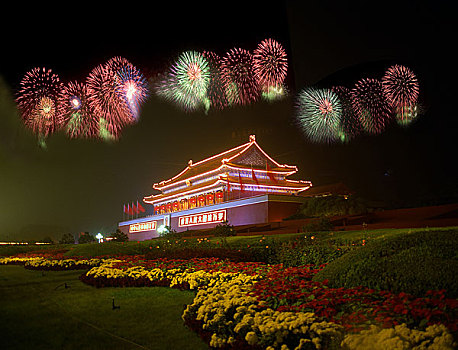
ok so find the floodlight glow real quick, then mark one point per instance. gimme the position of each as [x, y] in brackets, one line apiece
[162, 229]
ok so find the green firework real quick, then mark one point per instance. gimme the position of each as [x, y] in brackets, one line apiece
[319, 114]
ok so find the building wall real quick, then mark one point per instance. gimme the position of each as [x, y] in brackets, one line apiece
[245, 211]
[144, 235]
[239, 215]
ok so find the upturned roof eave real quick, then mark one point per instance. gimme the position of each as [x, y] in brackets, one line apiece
[280, 168]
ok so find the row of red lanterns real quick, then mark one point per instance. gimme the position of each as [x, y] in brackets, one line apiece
[192, 200]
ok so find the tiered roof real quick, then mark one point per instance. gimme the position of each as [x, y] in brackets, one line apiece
[218, 170]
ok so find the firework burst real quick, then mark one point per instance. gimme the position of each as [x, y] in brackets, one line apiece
[370, 105]
[75, 113]
[186, 83]
[401, 88]
[319, 114]
[237, 72]
[105, 99]
[133, 87]
[37, 101]
[270, 66]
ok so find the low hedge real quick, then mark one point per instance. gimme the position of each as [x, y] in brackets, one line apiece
[412, 263]
[236, 255]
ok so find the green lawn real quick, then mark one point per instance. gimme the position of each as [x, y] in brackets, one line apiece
[38, 312]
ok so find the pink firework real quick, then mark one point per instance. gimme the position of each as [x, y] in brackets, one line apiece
[238, 76]
[37, 101]
[401, 88]
[106, 101]
[270, 64]
[370, 105]
[75, 112]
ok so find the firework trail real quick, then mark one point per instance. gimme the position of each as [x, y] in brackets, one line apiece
[37, 101]
[370, 105]
[75, 113]
[238, 76]
[319, 114]
[270, 66]
[401, 88]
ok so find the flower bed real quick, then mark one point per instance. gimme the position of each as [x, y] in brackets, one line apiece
[292, 289]
[258, 306]
[41, 263]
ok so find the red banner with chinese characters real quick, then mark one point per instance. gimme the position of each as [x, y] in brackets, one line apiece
[142, 226]
[211, 217]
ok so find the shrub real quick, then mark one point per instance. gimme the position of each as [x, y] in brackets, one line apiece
[294, 253]
[322, 224]
[119, 236]
[331, 206]
[223, 231]
[86, 238]
[413, 263]
[238, 255]
[67, 238]
[47, 240]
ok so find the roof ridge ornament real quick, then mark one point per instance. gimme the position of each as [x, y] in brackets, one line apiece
[252, 138]
[190, 163]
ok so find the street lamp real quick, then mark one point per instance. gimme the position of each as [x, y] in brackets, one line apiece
[99, 236]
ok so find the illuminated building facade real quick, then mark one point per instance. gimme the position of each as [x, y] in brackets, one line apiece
[242, 186]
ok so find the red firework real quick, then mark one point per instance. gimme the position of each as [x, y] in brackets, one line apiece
[270, 64]
[370, 105]
[118, 63]
[75, 112]
[105, 99]
[238, 76]
[37, 101]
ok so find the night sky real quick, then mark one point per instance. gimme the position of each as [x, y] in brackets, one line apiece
[81, 185]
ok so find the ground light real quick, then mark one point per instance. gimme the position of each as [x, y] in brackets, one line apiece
[99, 236]
[162, 229]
